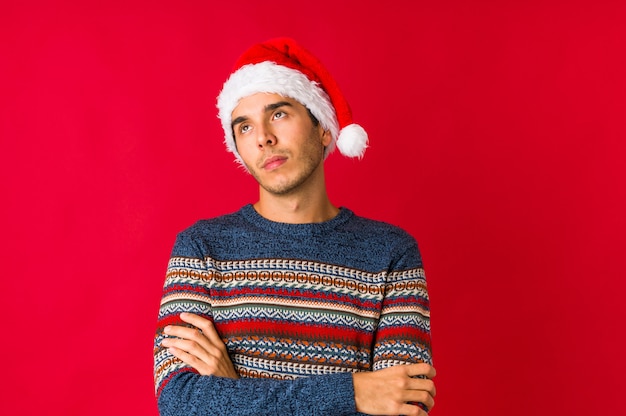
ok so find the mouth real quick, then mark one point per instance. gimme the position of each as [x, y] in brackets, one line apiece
[273, 162]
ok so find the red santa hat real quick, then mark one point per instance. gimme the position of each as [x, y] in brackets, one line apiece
[281, 66]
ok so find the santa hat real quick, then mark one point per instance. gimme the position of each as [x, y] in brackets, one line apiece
[281, 66]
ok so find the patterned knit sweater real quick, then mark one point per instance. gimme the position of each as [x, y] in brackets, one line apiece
[300, 307]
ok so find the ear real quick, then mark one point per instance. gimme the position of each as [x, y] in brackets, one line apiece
[326, 137]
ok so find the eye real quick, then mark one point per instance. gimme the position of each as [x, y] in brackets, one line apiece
[244, 128]
[279, 114]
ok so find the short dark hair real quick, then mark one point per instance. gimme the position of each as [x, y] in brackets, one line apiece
[314, 119]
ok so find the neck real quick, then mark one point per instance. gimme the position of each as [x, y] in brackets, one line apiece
[303, 207]
[296, 211]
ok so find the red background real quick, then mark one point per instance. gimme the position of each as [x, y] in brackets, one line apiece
[497, 139]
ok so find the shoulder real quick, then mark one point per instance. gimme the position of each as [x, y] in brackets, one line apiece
[380, 240]
[210, 226]
[375, 229]
[200, 239]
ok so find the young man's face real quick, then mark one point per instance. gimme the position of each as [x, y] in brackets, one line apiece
[278, 142]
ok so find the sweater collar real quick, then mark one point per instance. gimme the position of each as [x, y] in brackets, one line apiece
[251, 215]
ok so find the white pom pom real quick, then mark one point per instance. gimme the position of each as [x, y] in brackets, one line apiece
[352, 141]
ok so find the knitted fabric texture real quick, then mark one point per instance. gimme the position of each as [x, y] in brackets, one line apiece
[299, 306]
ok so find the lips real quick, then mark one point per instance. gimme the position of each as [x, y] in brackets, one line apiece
[273, 162]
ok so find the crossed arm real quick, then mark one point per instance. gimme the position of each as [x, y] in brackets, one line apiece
[391, 391]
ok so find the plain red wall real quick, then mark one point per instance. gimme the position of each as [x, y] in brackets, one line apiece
[497, 139]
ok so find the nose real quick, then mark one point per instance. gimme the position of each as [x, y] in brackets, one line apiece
[265, 136]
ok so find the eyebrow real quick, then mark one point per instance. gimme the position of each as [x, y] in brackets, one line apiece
[268, 108]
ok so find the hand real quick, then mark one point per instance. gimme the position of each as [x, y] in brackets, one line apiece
[392, 390]
[200, 347]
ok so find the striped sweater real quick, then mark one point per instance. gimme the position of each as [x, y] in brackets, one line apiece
[300, 307]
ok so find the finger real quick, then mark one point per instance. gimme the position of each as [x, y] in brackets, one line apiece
[190, 359]
[193, 319]
[205, 325]
[206, 364]
[183, 332]
[411, 409]
[196, 354]
[213, 347]
[422, 397]
[189, 347]
[178, 353]
[421, 369]
[423, 384]
[216, 345]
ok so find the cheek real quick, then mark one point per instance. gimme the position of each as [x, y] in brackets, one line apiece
[246, 150]
[313, 147]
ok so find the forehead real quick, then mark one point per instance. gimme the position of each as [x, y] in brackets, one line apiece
[257, 103]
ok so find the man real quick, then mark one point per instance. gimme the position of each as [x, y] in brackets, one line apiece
[292, 306]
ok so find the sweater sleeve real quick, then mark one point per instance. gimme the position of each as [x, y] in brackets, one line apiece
[403, 333]
[190, 394]
[180, 390]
